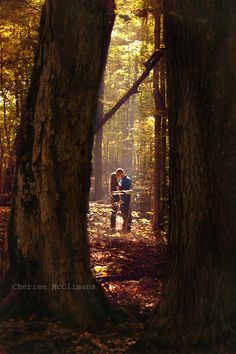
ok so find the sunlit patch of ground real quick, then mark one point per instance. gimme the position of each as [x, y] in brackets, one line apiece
[128, 265]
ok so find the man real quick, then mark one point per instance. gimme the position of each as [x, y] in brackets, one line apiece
[125, 184]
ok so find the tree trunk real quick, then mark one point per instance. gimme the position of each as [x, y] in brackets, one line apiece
[1, 179]
[133, 113]
[1, 163]
[98, 180]
[48, 227]
[197, 312]
[164, 135]
[156, 220]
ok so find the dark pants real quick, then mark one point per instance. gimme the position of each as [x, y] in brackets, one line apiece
[126, 211]
[114, 205]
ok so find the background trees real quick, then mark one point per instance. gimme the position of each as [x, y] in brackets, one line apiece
[18, 36]
[129, 136]
[128, 139]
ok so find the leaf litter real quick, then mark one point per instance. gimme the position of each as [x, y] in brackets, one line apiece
[129, 267]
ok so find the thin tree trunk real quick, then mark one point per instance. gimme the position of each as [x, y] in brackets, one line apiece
[133, 113]
[164, 132]
[156, 221]
[98, 170]
[164, 176]
[5, 125]
[17, 106]
[1, 177]
[98, 180]
[48, 227]
[1, 163]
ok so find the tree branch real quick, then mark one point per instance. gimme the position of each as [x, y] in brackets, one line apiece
[36, 8]
[149, 65]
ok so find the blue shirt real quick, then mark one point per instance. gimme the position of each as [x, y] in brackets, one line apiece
[125, 183]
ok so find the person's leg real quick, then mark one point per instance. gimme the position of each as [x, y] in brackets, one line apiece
[113, 213]
[129, 218]
[126, 213]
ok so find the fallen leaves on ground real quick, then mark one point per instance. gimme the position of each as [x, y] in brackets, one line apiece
[128, 265]
[46, 336]
[129, 268]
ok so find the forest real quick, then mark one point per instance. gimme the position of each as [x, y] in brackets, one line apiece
[117, 176]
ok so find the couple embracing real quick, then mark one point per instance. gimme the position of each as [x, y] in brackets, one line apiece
[119, 186]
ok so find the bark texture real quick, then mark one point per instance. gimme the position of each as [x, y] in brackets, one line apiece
[98, 165]
[197, 312]
[48, 227]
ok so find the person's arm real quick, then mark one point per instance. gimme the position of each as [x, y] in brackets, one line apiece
[126, 184]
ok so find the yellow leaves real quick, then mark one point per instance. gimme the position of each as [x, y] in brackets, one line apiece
[149, 213]
[6, 32]
[100, 271]
[37, 2]
[144, 221]
[18, 35]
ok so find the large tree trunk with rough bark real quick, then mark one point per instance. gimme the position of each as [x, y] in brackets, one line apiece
[48, 227]
[197, 311]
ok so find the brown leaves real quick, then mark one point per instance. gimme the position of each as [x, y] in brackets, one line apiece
[127, 265]
[47, 336]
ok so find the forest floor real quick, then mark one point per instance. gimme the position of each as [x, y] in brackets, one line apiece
[128, 266]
